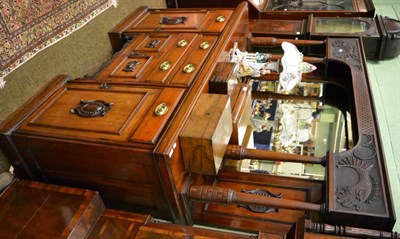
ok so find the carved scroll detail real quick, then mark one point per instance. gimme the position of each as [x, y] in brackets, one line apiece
[364, 191]
[260, 209]
[347, 51]
[367, 149]
[91, 108]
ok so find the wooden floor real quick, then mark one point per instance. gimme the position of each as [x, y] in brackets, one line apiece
[385, 84]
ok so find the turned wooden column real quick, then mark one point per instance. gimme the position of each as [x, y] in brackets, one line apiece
[239, 153]
[209, 194]
[349, 231]
[272, 42]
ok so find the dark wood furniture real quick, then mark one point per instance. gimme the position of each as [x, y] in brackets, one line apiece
[37, 210]
[380, 35]
[118, 131]
[282, 8]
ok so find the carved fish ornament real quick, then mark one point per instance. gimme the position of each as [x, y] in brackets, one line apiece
[364, 191]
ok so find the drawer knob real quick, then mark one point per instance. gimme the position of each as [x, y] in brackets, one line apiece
[189, 68]
[161, 109]
[204, 45]
[182, 43]
[165, 65]
[220, 19]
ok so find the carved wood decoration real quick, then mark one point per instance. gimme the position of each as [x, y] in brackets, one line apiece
[260, 209]
[357, 176]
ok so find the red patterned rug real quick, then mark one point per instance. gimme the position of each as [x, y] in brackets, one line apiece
[29, 26]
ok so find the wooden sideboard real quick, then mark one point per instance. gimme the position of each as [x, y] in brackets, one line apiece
[117, 131]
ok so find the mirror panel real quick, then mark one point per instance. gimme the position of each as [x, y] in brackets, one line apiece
[340, 25]
[301, 5]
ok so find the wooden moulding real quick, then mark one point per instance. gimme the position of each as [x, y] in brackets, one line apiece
[206, 133]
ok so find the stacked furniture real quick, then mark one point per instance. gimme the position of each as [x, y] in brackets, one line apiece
[132, 132]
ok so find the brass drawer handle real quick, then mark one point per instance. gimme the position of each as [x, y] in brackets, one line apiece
[182, 43]
[161, 109]
[189, 68]
[91, 108]
[220, 19]
[165, 65]
[204, 45]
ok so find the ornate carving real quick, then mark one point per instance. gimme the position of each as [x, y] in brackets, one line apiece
[260, 209]
[173, 20]
[347, 51]
[366, 150]
[364, 191]
[91, 108]
[153, 43]
[131, 66]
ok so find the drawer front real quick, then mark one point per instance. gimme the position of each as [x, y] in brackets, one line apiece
[131, 108]
[142, 56]
[193, 20]
[173, 59]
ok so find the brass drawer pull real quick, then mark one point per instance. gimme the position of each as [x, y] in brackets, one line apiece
[161, 109]
[91, 108]
[189, 68]
[220, 19]
[182, 43]
[204, 45]
[165, 65]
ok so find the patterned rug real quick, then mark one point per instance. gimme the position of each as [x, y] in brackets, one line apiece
[29, 26]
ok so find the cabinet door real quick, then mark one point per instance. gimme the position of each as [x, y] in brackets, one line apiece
[87, 112]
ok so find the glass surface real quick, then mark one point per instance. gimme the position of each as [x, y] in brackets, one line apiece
[340, 25]
[294, 126]
[309, 5]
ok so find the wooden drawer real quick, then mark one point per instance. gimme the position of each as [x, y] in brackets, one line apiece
[131, 118]
[180, 20]
[160, 59]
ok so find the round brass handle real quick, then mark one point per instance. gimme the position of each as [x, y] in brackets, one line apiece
[165, 65]
[204, 45]
[189, 68]
[182, 43]
[161, 109]
[220, 19]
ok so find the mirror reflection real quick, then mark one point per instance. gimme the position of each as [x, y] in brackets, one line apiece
[340, 25]
[301, 127]
[289, 115]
